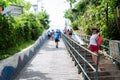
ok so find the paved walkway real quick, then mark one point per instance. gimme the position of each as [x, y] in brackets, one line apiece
[50, 64]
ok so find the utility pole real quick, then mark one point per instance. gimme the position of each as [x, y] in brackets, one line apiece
[36, 6]
[69, 3]
[42, 7]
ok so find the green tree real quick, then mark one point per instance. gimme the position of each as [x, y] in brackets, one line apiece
[97, 13]
[43, 18]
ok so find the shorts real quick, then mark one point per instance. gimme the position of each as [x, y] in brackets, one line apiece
[48, 35]
[94, 48]
[56, 40]
[70, 33]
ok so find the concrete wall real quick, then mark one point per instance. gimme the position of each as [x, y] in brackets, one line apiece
[115, 48]
[11, 66]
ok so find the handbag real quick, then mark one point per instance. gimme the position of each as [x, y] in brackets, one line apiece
[99, 40]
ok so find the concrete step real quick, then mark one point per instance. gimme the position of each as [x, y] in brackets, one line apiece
[87, 66]
[107, 78]
[88, 59]
[108, 67]
[106, 75]
[88, 55]
[102, 73]
[101, 68]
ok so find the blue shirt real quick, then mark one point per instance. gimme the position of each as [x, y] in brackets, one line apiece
[56, 35]
[49, 33]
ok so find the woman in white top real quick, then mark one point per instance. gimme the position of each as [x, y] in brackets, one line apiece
[93, 43]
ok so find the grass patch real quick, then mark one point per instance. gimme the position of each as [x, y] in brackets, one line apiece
[76, 31]
[11, 51]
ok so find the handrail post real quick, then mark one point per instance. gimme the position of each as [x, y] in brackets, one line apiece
[96, 74]
[78, 66]
[72, 51]
[76, 55]
[85, 63]
[78, 60]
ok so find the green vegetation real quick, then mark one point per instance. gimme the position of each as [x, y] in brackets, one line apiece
[95, 13]
[18, 32]
[12, 50]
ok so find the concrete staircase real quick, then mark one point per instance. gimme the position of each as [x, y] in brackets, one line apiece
[107, 69]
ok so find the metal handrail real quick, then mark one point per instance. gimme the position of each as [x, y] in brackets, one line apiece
[72, 49]
[103, 46]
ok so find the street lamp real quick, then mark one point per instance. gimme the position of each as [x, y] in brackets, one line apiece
[35, 9]
[42, 7]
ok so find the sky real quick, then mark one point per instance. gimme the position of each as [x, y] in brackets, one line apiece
[55, 9]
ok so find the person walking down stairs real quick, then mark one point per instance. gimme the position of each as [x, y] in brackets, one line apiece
[56, 37]
[93, 44]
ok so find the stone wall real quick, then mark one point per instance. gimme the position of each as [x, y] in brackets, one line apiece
[115, 48]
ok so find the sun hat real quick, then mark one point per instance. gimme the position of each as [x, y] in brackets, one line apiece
[95, 29]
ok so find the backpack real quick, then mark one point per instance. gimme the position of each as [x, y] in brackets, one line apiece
[56, 36]
[99, 40]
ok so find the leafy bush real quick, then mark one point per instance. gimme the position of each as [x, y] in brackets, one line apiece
[15, 31]
[74, 25]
